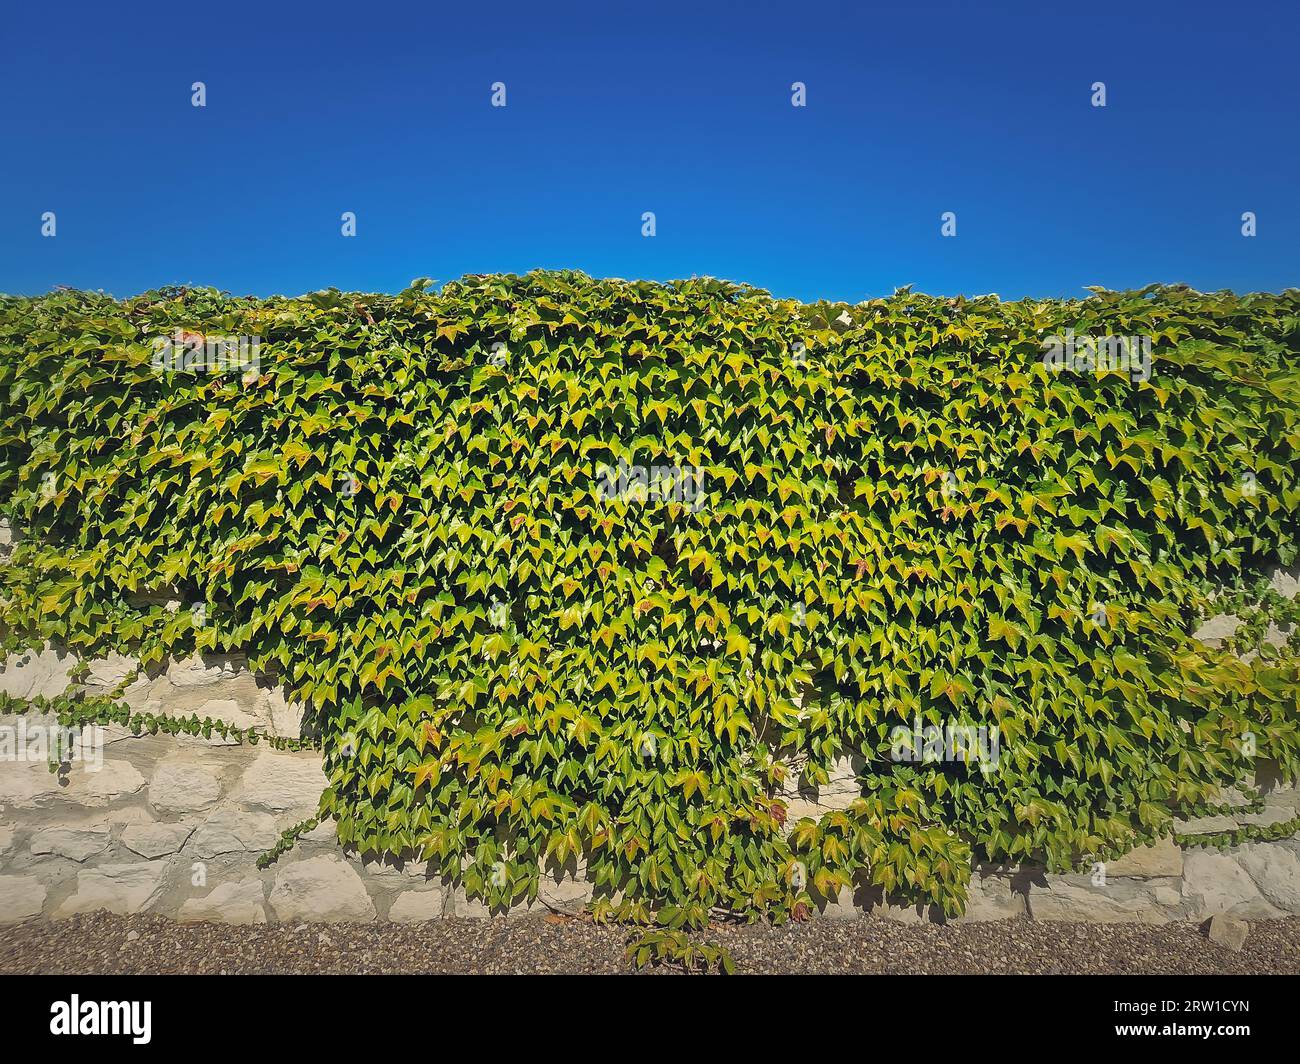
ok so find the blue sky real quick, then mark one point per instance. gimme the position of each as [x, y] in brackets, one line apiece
[682, 109]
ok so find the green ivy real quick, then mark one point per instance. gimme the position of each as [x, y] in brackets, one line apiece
[903, 516]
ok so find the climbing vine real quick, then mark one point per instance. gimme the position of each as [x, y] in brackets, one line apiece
[572, 572]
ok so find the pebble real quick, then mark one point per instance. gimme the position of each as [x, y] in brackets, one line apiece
[90, 944]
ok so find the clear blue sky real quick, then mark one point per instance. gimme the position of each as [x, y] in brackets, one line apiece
[683, 109]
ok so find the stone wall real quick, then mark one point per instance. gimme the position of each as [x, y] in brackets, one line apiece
[1152, 885]
[219, 686]
[175, 824]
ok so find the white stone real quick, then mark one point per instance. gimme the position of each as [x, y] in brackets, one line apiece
[29, 786]
[75, 842]
[1214, 883]
[1278, 808]
[156, 840]
[1286, 584]
[143, 702]
[1064, 900]
[203, 671]
[1216, 629]
[21, 898]
[467, 908]
[1276, 872]
[286, 716]
[31, 674]
[180, 786]
[118, 888]
[230, 903]
[232, 831]
[124, 816]
[839, 792]
[992, 897]
[1275, 636]
[26, 786]
[140, 702]
[97, 788]
[283, 783]
[1238, 796]
[139, 695]
[416, 906]
[321, 890]
[1161, 858]
[1206, 825]
[105, 674]
[229, 711]
[569, 895]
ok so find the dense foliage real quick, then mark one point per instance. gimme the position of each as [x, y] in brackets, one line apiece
[898, 516]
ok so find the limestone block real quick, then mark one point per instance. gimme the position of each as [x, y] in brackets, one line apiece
[416, 906]
[21, 898]
[230, 903]
[118, 888]
[321, 890]
[76, 842]
[183, 785]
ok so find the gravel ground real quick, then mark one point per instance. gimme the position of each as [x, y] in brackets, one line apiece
[104, 944]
